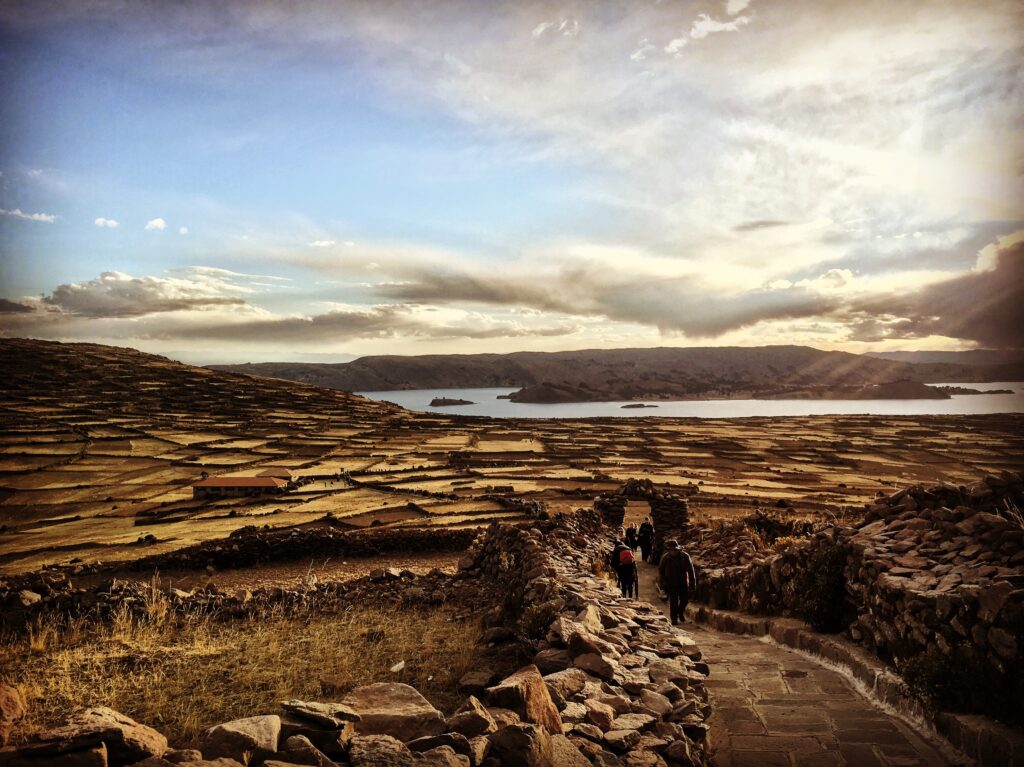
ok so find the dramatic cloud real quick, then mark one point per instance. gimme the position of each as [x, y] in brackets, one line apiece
[106, 223]
[728, 171]
[156, 224]
[12, 307]
[46, 218]
[985, 306]
[383, 321]
[114, 294]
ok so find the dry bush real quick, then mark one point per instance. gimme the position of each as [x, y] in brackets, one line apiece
[182, 674]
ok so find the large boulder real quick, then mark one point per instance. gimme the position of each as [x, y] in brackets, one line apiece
[245, 740]
[12, 710]
[472, 719]
[525, 693]
[562, 685]
[566, 754]
[298, 749]
[126, 740]
[90, 756]
[325, 714]
[379, 751]
[522, 745]
[395, 709]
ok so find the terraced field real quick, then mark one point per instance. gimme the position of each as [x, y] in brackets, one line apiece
[99, 447]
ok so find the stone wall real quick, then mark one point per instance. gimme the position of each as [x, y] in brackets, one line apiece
[934, 584]
[629, 688]
[670, 512]
[611, 684]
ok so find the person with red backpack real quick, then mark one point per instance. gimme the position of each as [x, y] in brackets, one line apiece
[624, 564]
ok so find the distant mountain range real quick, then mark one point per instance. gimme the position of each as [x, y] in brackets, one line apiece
[631, 374]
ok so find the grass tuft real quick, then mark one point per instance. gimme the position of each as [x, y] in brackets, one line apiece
[182, 674]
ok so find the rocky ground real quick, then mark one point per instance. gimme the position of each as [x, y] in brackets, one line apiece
[611, 684]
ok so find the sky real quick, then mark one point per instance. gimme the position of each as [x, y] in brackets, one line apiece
[244, 181]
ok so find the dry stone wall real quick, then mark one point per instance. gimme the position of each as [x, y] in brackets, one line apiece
[932, 581]
[670, 512]
[611, 684]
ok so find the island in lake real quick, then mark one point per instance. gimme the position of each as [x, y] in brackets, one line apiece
[449, 402]
[967, 390]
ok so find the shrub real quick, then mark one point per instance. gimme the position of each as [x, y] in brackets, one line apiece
[822, 589]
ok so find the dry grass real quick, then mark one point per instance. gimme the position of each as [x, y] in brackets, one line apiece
[183, 674]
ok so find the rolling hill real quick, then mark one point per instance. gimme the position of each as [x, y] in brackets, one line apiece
[613, 374]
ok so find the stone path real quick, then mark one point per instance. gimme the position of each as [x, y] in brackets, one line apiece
[776, 707]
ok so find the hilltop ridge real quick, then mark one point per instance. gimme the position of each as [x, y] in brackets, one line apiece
[624, 374]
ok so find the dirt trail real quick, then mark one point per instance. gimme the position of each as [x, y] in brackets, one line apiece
[774, 706]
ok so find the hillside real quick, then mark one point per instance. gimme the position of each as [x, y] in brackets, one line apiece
[968, 357]
[593, 375]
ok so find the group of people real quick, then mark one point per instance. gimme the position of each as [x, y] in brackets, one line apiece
[676, 576]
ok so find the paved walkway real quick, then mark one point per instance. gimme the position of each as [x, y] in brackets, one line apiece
[776, 707]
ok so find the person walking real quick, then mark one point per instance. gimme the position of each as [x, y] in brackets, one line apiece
[677, 579]
[631, 537]
[624, 565]
[645, 538]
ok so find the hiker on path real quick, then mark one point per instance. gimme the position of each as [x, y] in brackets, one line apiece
[631, 537]
[624, 565]
[677, 579]
[645, 538]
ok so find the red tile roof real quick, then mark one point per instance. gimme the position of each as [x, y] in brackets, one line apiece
[241, 482]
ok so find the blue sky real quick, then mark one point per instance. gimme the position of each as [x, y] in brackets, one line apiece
[353, 178]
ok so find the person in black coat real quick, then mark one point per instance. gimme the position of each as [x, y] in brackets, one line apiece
[645, 539]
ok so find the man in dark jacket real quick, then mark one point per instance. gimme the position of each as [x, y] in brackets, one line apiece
[645, 537]
[677, 579]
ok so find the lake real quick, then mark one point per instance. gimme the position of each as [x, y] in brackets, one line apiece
[487, 404]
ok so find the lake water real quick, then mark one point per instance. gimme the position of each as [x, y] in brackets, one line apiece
[487, 404]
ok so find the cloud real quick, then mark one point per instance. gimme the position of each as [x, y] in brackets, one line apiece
[115, 295]
[106, 223]
[541, 28]
[46, 218]
[11, 307]
[156, 224]
[704, 25]
[753, 226]
[676, 45]
[183, 230]
[567, 27]
[598, 289]
[641, 53]
[732, 7]
[321, 243]
[985, 305]
[380, 321]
